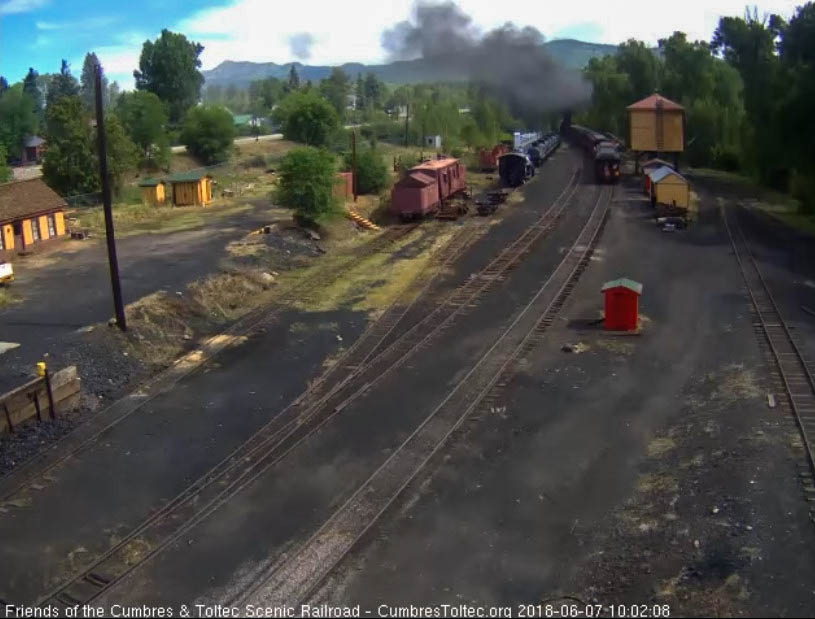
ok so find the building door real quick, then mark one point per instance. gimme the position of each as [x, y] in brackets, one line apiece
[18, 235]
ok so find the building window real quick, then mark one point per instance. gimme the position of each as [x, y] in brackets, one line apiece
[52, 226]
[35, 229]
[2, 239]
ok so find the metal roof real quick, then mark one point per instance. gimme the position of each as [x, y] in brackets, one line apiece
[435, 164]
[623, 282]
[661, 173]
[185, 177]
[150, 182]
[417, 178]
[650, 103]
[33, 141]
[656, 161]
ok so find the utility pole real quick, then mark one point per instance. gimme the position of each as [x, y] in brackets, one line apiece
[106, 204]
[407, 119]
[354, 163]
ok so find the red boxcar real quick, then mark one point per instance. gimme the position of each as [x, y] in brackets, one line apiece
[424, 187]
[488, 158]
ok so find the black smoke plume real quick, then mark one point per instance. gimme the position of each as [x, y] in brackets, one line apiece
[509, 61]
[300, 45]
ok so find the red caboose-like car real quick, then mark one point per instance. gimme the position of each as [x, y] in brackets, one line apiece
[425, 186]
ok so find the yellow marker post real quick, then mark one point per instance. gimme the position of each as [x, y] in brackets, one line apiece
[42, 371]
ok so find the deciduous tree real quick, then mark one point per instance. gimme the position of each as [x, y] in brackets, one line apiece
[19, 119]
[144, 118]
[70, 164]
[168, 67]
[307, 117]
[208, 132]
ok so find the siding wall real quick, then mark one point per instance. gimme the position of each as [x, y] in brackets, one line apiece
[28, 237]
[671, 189]
[643, 128]
[8, 236]
[44, 232]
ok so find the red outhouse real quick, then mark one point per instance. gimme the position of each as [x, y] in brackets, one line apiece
[621, 304]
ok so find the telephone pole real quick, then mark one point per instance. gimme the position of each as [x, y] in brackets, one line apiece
[354, 163]
[106, 204]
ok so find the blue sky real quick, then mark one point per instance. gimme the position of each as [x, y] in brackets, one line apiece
[39, 33]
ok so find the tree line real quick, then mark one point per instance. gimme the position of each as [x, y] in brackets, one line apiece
[747, 94]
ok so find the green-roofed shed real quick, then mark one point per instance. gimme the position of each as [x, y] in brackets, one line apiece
[192, 188]
[153, 191]
[621, 304]
[623, 282]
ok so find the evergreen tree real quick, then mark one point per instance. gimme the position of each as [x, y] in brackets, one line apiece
[31, 87]
[63, 85]
[87, 81]
[294, 80]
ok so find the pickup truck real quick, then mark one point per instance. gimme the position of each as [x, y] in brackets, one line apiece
[6, 273]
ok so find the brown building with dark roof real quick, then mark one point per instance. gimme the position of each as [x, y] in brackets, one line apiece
[30, 212]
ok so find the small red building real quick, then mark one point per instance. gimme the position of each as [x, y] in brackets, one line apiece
[344, 187]
[621, 304]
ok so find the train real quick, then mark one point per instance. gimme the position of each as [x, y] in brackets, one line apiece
[604, 149]
[515, 169]
[540, 150]
[426, 186]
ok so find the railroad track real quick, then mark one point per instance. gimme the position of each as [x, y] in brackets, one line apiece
[346, 381]
[794, 369]
[36, 472]
[291, 579]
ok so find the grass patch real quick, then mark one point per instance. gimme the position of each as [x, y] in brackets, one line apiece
[789, 215]
[132, 219]
[7, 297]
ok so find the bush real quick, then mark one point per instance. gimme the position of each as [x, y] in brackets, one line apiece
[802, 187]
[372, 172]
[306, 182]
[208, 133]
[725, 158]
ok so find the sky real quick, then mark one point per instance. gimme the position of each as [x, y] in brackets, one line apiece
[39, 33]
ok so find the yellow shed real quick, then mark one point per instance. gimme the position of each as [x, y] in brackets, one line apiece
[153, 191]
[191, 188]
[657, 125]
[669, 187]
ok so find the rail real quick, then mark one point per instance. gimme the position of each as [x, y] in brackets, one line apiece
[293, 578]
[349, 379]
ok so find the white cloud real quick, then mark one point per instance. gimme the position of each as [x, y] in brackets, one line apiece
[261, 31]
[8, 7]
[258, 30]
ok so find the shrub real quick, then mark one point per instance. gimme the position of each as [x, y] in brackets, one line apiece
[372, 172]
[306, 182]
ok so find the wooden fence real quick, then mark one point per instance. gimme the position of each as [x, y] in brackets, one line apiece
[32, 400]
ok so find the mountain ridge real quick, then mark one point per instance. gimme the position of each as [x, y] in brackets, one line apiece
[569, 53]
